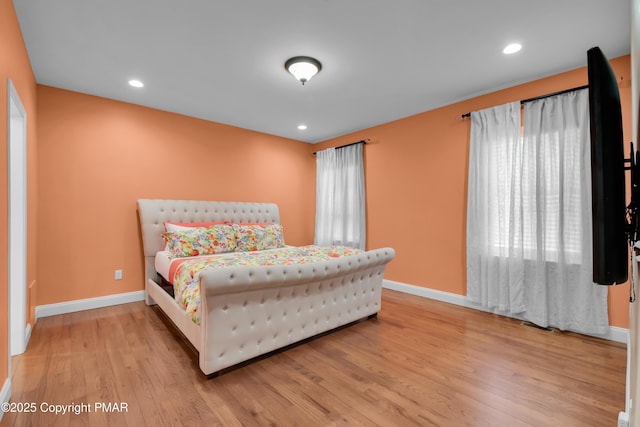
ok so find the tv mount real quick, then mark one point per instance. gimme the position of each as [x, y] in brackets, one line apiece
[632, 163]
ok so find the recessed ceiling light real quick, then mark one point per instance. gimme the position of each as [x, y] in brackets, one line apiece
[302, 127]
[136, 83]
[512, 48]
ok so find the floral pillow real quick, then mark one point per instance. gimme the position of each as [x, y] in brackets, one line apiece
[217, 239]
[181, 226]
[258, 237]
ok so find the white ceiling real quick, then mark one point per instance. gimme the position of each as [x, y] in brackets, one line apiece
[223, 60]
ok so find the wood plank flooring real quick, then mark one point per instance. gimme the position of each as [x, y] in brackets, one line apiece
[420, 362]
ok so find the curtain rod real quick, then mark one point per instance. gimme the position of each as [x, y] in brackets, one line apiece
[524, 101]
[363, 141]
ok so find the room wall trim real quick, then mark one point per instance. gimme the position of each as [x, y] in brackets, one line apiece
[87, 304]
[5, 394]
[615, 333]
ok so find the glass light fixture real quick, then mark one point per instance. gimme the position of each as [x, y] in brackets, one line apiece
[512, 48]
[303, 68]
[136, 83]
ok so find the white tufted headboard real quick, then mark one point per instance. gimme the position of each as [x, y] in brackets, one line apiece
[154, 212]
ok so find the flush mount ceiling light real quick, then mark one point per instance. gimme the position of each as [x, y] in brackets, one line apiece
[512, 48]
[302, 127]
[136, 83]
[303, 67]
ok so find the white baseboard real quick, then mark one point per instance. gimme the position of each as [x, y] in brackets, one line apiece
[87, 304]
[623, 419]
[5, 394]
[615, 333]
[424, 292]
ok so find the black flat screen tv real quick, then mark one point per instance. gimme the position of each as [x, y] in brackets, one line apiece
[609, 211]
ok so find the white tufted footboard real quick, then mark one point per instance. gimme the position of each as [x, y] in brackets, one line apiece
[249, 311]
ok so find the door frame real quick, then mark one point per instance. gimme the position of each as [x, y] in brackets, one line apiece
[19, 331]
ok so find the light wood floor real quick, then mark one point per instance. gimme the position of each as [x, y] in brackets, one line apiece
[421, 362]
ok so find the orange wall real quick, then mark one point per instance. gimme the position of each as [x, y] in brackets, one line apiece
[15, 65]
[98, 156]
[416, 175]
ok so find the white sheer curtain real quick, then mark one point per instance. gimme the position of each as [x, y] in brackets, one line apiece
[494, 264]
[340, 197]
[536, 260]
[557, 204]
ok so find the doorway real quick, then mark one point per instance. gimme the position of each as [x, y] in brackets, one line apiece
[17, 222]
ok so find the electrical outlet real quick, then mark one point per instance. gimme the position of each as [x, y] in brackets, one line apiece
[118, 274]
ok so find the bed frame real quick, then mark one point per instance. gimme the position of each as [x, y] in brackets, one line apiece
[249, 311]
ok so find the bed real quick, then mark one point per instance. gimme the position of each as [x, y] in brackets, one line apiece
[245, 311]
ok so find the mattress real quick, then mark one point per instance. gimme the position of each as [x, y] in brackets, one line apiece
[162, 263]
[166, 265]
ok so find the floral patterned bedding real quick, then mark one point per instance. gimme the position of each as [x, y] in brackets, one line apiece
[186, 281]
